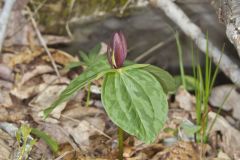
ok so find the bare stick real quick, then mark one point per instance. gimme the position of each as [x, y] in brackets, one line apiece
[154, 48]
[4, 19]
[39, 35]
[229, 67]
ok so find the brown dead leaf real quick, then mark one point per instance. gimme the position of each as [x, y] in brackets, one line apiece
[24, 92]
[180, 151]
[27, 55]
[78, 112]
[6, 84]
[55, 131]
[222, 156]
[81, 130]
[41, 151]
[5, 99]
[38, 70]
[185, 100]
[12, 115]
[60, 57]
[229, 96]
[46, 98]
[68, 153]
[24, 57]
[55, 39]
[5, 149]
[53, 79]
[230, 136]
[6, 72]
[139, 156]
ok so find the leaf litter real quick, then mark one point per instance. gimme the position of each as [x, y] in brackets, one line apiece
[86, 132]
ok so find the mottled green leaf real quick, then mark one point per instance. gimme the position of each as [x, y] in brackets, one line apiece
[166, 80]
[136, 102]
[134, 66]
[79, 82]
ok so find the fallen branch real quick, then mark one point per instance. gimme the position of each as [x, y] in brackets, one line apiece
[43, 43]
[8, 5]
[229, 67]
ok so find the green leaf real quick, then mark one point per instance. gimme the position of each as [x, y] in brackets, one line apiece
[134, 66]
[72, 65]
[128, 62]
[136, 102]
[93, 56]
[79, 82]
[166, 80]
[84, 56]
[95, 50]
[189, 128]
[52, 143]
[189, 80]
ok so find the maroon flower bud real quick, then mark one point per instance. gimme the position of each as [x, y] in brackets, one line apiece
[117, 50]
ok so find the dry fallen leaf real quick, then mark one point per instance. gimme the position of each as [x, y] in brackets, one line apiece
[5, 99]
[229, 96]
[222, 156]
[53, 79]
[60, 57]
[6, 84]
[55, 39]
[81, 130]
[45, 98]
[24, 57]
[12, 115]
[5, 149]
[185, 100]
[25, 92]
[230, 136]
[78, 112]
[180, 151]
[6, 72]
[38, 70]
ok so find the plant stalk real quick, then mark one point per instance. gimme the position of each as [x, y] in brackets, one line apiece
[120, 143]
[180, 53]
[88, 94]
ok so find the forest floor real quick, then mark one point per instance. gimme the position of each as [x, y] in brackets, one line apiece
[29, 85]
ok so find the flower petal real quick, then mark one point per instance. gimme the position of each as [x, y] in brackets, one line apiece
[109, 54]
[118, 49]
[124, 43]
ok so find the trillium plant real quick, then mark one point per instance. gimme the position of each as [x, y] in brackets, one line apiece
[134, 96]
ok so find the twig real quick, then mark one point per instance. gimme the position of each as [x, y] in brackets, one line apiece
[152, 49]
[4, 19]
[39, 35]
[229, 67]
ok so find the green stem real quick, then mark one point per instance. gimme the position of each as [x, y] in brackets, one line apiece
[180, 53]
[88, 95]
[120, 143]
